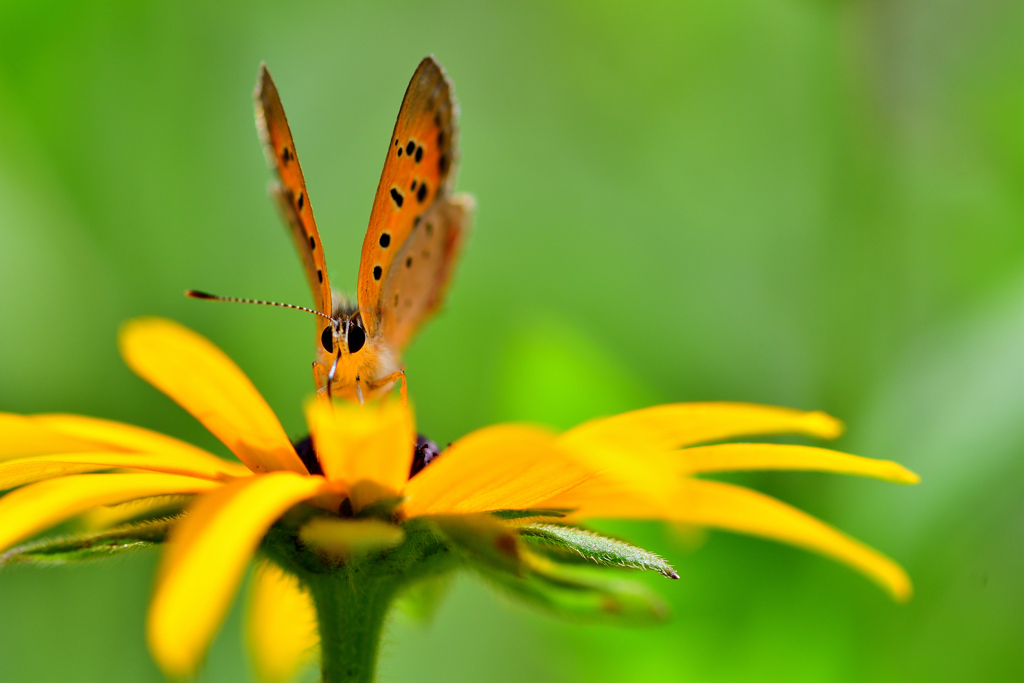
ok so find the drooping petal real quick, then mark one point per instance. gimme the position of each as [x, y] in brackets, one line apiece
[280, 624]
[665, 427]
[23, 436]
[206, 383]
[495, 468]
[36, 507]
[725, 506]
[21, 471]
[205, 559]
[769, 456]
[340, 539]
[109, 435]
[363, 444]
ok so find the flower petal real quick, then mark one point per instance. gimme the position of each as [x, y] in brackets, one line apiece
[280, 624]
[665, 427]
[495, 468]
[343, 538]
[21, 471]
[206, 383]
[34, 508]
[356, 443]
[24, 436]
[769, 456]
[716, 504]
[109, 435]
[205, 559]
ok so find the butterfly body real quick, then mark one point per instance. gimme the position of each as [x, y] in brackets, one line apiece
[416, 229]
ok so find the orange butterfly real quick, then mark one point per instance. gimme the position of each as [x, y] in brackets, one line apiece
[416, 229]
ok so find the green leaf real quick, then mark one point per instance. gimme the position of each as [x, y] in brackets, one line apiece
[566, 543]
[578, 593]
[536, 512]
[60, 550]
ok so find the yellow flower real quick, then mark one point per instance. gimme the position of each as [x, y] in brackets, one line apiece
[636, 465]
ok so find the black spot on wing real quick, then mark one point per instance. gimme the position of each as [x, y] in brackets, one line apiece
[419, 154]
[421, 194]
[301, 201]
[410, 148]
[312, 242]
[408, 262]
[377, 272]
[397, 196]
[320, 276]
[385, 239]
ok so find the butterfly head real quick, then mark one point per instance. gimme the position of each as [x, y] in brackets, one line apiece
[351, 360]
[345, 335]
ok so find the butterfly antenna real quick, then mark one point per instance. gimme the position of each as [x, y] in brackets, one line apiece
[232, 299]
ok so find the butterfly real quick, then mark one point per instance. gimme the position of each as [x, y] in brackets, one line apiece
[417, 227]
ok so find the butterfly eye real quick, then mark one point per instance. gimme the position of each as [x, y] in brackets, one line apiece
[327, 339]
[356, 338]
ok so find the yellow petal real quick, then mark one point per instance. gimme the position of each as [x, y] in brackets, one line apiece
[206, 383]
[665, 427]
[107, 516]
[23, 436]
[725, 506]
[21, 471]
[205, 559]
[117, 436]
[495, 468]
[355, 443]
[280, 624]
[343, 538]
[34, 508]
[767, 456]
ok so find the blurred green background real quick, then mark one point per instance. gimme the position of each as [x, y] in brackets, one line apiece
[811, 203]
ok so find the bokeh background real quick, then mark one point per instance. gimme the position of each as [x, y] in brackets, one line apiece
[811, 203]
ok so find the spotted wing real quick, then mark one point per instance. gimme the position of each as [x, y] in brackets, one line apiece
[416, 284]
[416, 176]
[290, 190]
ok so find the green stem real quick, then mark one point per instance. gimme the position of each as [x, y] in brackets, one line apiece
[351, 608]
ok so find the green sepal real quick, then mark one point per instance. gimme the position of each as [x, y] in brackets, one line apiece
[423, 599]
[483, 540]
[566, 543]
[60, 550]
[533, 512]
[578, 593]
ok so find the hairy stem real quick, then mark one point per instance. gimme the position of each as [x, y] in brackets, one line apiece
[351, 610]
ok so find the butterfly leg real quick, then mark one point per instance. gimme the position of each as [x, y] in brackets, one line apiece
[397, 376]
[330, 377]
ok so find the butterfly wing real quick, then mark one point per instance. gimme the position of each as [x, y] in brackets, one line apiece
[413, 185]
[419, 276]
[290, 190]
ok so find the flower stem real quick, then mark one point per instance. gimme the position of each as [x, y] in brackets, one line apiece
[351, 609]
